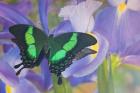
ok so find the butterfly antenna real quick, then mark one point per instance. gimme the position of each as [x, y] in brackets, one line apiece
[18, 72]
[18, 65]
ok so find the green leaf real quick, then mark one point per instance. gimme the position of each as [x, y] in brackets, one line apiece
[102, 78]
[65, 87]
[105, 77]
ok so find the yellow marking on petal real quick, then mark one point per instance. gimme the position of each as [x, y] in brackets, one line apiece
[94, 47]
[8, 89]
[121, 8]
[116, 61]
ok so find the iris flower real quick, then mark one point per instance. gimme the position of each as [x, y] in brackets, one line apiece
[22, 6]
[119, 23]
[82, 20]
[14, 83]
[75, 71]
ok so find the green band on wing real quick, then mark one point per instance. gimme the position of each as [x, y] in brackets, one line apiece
[72, 43]
[59, 55]
[30, 30]
[32, 51]
[30, 41]
[29, 36]
[67, 47]
[74, 36]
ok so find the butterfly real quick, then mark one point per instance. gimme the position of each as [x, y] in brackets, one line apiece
[59, 50]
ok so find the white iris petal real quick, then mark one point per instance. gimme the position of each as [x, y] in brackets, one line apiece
[81, 15]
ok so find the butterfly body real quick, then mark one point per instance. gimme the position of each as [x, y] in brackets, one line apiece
[60, 50]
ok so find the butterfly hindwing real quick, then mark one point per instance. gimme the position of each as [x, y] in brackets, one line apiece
[30, 41]
[84, 52]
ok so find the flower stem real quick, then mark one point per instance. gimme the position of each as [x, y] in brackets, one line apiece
[105, 78]
[65, 87]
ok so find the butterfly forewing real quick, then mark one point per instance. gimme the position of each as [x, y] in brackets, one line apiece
[69, 43]
[65, 47]
[30, 41]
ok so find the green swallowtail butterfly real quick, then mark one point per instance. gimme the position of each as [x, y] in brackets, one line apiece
[60, 50]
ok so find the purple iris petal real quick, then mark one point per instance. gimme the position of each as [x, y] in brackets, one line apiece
[46, 74]
[106, 25]
[37, 80]
[12, 56]
[132, 49]
[84, 66]
[2, 87]
[2, 21]
[25, 86]
[123, 33]
[130, 29]
[24, 6]
[5, 35]
[5, 24]
[131, 55]
[43, 13]
[132, 59]
[12, 15]
[6, 42]
[75, 81]
[76, 66]
[42, 81]
[7, 73]
[63, 27]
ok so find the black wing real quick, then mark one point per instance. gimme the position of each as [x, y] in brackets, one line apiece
[30, 41]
